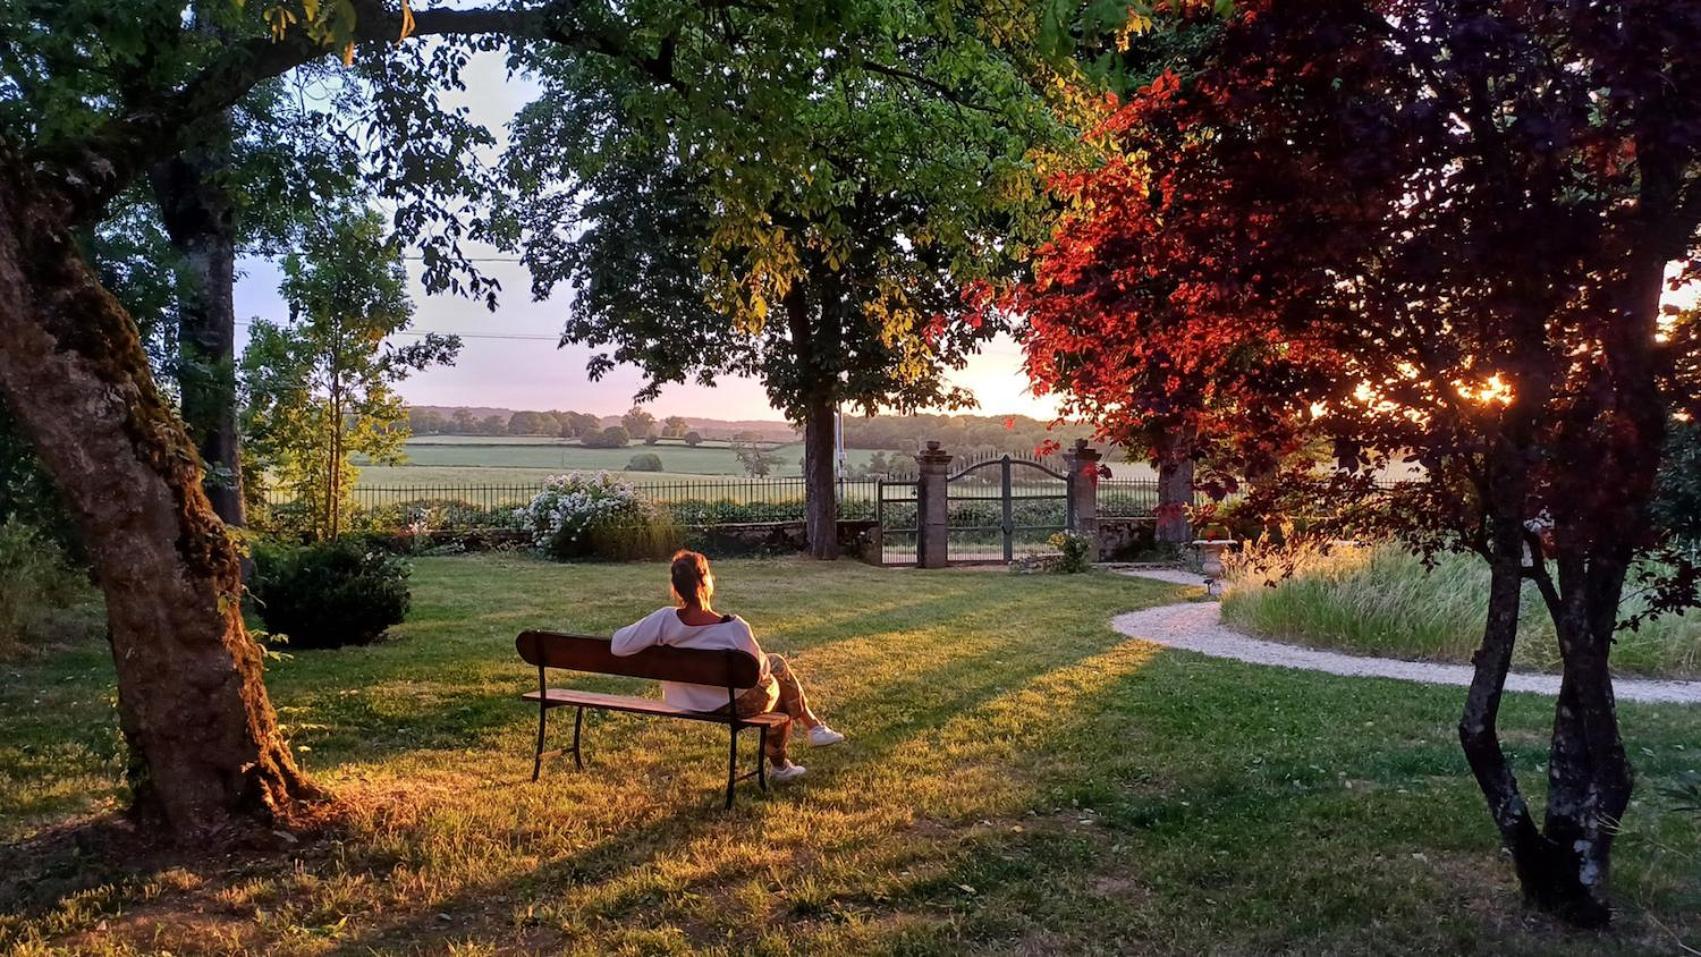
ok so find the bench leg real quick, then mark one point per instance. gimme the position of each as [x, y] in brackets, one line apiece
[578, 723]
[542, 724]
[762, 758]
[731, 763]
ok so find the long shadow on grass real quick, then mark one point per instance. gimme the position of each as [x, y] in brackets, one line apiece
[374, 721]
[885, 757]
[930, 699]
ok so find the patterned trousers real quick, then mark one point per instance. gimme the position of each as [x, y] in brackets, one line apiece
[781, 693]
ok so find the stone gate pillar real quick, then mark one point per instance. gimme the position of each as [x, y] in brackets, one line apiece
[932, 511]
[1083, 465]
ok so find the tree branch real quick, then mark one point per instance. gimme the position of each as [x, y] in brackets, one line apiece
[91, 171]
[899, 73]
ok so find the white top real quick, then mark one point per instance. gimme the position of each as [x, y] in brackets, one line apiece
[663, 627]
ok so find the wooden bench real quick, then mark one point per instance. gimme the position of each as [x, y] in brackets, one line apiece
[732, 670]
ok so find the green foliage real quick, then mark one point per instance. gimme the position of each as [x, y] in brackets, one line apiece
[43, 598]
[693, 439]
[320, 388]
[329, 594]
[894, 174]
[646, 537]
[757, 459]
[645, 462]
[613, 437]
[580, 515]
[703, 513]
[1677, 509]
[27, 494]
[958, 434]
[638, 423]
[533, 423]
[1072, 551]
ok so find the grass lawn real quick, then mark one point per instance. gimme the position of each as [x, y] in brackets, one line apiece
[1019, 779]
[1382, 601]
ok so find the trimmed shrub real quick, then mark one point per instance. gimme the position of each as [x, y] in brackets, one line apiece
[644, 462]
[329, 595]
[693, 439]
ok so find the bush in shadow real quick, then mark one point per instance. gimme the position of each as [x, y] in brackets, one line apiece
[43, 598]
[329, 595]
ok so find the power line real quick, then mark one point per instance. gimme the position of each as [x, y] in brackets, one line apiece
[511, 336]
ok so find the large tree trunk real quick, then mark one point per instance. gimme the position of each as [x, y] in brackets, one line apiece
[821, 505]
[820, 487]
[206, 753]
[1175, 487]
[200, 219]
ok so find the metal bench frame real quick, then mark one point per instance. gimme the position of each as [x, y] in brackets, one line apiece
[733, 670]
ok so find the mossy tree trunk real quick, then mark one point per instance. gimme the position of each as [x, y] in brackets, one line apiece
[206, 755]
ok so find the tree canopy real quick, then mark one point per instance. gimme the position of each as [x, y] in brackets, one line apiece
[320, 388]
[1435, 232]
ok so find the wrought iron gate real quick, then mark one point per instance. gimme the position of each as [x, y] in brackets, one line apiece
[1006, 507]
[897, 510]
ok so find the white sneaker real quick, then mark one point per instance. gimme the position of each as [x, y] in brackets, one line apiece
[821, 736]
[787, 773]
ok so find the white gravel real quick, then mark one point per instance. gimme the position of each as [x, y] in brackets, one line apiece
[1197, 626]
[1174, 576]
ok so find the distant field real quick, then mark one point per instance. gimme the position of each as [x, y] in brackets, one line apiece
[398, 476]
[472, 459]
[543, 440]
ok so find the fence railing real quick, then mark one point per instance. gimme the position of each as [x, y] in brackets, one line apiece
[698, 502]
[703, 502]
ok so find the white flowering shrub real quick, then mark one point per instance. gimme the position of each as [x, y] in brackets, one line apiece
[580, 515]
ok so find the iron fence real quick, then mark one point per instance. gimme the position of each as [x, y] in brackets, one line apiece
[696, 502]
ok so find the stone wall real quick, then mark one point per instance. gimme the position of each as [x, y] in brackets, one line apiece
[1126, 539]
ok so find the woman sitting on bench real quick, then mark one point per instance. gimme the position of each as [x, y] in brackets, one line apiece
[692, 622]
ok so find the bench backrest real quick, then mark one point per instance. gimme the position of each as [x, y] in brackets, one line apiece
[723, 668]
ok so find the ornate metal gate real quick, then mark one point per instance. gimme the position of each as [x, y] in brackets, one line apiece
[897, 510]
[1006, 507]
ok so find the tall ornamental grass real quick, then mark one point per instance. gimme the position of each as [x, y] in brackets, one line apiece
[1381, 600]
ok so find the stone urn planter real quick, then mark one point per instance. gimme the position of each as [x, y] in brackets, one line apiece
[1211, 558]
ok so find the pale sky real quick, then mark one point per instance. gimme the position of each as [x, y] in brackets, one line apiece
[509, 358]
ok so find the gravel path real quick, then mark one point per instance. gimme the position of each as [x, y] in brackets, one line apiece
[1197, 626]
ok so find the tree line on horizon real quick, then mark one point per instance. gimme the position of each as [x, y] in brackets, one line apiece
[962, 434]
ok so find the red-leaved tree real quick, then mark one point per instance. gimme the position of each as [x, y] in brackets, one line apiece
[1437, 231]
